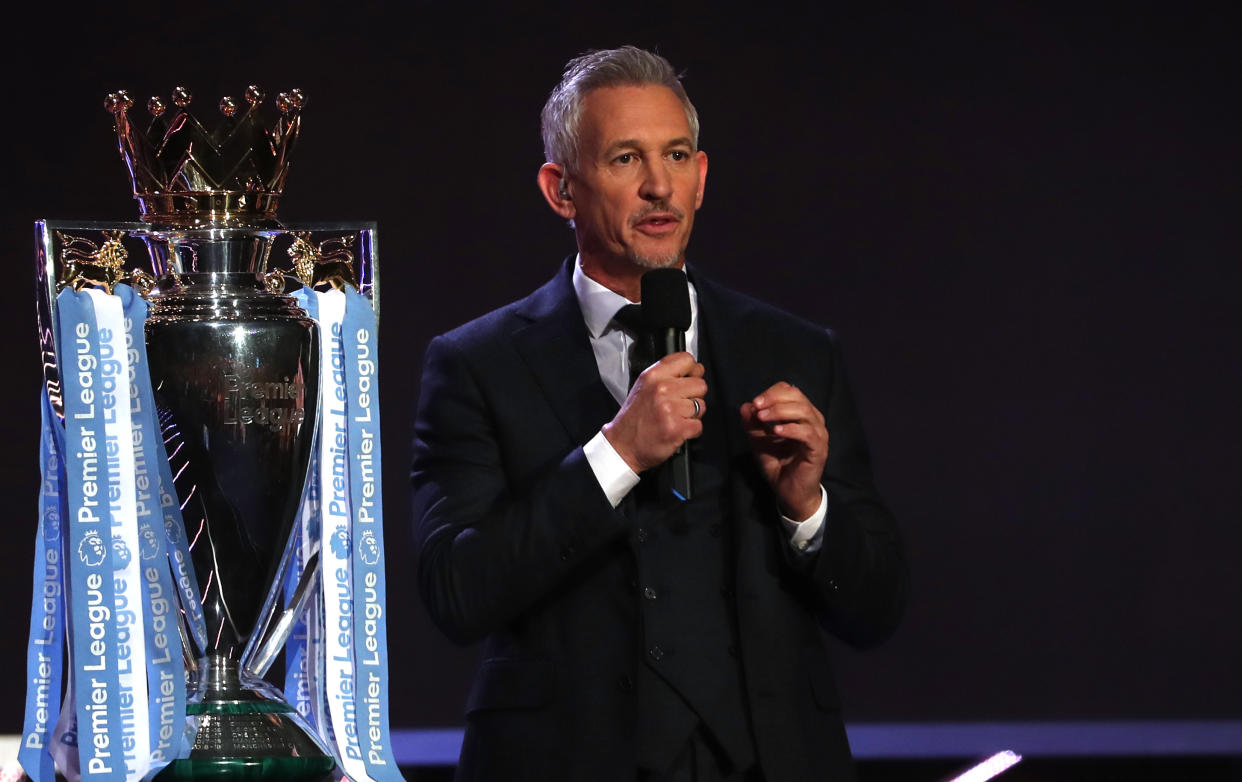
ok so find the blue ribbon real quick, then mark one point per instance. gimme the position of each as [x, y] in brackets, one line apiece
[367, 537]
[93, 627]
[165, 661]
[45, 648]
[352, 556]
[300, 679]
[79, 563]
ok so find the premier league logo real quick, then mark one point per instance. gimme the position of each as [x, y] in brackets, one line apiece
[51, 524]
[120, 553]
[172, 528]
[340, 544]
[368, 547]
[148, 544]
[92, 550]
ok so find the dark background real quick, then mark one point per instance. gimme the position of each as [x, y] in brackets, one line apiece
[1022, 219]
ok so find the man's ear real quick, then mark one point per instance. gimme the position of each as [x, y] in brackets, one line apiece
[554, 184]
[698, 197]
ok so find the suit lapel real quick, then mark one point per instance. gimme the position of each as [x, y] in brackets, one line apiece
[557, 349]
[742, 363]
[740, 360]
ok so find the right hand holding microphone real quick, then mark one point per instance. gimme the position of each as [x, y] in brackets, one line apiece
[664, 409]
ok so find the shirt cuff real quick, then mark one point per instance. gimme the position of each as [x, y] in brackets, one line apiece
[807, 536]
[614, 475]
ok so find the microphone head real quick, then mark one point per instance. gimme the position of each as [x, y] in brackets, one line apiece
[666, 299]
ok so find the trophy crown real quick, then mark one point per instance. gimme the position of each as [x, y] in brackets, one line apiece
[190, 173]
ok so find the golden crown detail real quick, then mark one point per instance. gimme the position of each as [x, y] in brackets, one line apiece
[186, 174]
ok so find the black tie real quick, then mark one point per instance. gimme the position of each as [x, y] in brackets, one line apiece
[642, 352]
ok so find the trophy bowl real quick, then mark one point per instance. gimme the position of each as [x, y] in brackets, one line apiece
[234, 368]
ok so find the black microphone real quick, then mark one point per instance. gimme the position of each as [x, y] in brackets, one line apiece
[666, 311]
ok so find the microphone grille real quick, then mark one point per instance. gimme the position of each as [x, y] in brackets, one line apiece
[666, 299]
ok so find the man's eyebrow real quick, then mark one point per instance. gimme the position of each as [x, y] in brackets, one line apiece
[633, 143]
[625, 143]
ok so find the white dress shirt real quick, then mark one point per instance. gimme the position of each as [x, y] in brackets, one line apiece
[611, 346]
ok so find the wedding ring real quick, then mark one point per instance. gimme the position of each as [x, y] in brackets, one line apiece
[698, 409]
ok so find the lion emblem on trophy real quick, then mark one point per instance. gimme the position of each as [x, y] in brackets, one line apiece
[85, 264]
[331, 261]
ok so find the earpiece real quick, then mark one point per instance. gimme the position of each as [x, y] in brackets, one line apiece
[563, 193]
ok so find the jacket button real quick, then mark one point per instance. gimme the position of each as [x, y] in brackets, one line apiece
[625, 683]
[726, 593]
[641, 535]
[656, 653]
[649, 593]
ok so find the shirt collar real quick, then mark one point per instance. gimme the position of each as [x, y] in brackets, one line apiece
[599, 304]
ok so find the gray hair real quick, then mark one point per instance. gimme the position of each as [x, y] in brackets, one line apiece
[627, 66]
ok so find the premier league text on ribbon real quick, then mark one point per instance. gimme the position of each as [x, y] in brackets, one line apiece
[43, 643]
[336, 533]
[163, 649]
[127, 587]
[94, 692]
[45, 650]
[368, 554]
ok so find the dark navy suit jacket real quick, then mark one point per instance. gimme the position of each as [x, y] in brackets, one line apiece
[519, 547]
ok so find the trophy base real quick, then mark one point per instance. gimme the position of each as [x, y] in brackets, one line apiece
[243, 730]
[251, 741]
[249, 769]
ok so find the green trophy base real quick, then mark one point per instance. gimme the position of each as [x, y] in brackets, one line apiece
[249, 769]
[244, 731]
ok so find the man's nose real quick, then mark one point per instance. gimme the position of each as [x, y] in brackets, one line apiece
[657, 184]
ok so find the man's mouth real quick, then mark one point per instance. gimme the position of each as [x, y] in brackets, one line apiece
[657, 223]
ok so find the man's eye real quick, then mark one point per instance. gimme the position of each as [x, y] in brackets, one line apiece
[679, 155]
[624, 159]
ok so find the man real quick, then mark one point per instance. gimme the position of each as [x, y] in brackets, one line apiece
[631, 635]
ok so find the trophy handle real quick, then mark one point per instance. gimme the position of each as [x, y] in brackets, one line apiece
[275, 640]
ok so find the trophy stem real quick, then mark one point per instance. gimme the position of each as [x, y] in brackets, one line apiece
[222, 681]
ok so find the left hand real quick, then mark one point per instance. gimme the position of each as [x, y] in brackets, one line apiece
[788, 436]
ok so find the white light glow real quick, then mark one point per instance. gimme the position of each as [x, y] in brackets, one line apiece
[989, 768]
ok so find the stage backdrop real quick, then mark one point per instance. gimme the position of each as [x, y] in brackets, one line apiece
[1022, 222]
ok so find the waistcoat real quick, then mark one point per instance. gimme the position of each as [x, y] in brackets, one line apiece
[690, 673]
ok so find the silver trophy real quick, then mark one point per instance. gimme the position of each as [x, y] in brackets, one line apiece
[235, 371]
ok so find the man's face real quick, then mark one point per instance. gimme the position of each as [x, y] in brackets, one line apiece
[639, 179]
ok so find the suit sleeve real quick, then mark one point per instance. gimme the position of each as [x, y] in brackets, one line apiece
[860, 572]
[490, 549]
